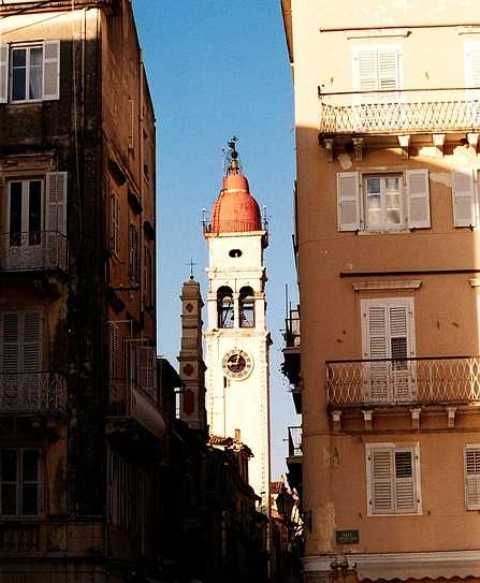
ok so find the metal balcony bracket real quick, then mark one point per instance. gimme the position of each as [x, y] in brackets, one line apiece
[451, 411]
[472, 139]
[404, 142]
[358, 147]
[439, 142]
[328, 145]
[337, 420]
[368, 419]
[415, 417]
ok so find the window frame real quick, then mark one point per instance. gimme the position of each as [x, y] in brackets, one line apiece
[25, 210]
[414, 449]
[20, 482]
[28, 48]
[383, 176]
[470, 447]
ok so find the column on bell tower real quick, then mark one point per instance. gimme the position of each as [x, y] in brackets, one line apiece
[192, 366]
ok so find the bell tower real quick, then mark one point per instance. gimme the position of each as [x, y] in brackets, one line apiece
[237, 340]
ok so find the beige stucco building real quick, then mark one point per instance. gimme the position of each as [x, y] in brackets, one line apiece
[388, 253]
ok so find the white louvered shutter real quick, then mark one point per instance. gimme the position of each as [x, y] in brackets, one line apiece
[31, 341]
[113, 351]
[3, 73]
[388, 69]
[405, 491]
[56, 219]
[463, 198]
[472, 478]
[418, 195]
[10, 343]
[348, 201]
[51, 70]
[367, 70]
[376, 348]
[57, 202]
[402, 383]
[472, 65]
[381, 481]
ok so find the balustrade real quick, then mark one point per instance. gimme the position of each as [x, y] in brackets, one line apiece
[412, 381]
[33, 251]
[33, 392]
[401, 112]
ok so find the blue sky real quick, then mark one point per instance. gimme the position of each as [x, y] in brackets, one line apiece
[219, 68]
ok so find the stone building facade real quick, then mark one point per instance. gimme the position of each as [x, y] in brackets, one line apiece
[387, 248]
[79, 389]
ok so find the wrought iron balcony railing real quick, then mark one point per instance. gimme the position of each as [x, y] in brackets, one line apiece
[295, 447]
[33, 392]
[412, 381]
[33, 251]
[422, 111]
[292, 333]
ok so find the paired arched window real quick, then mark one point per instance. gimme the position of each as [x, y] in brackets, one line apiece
[225, 307]
[247, 308]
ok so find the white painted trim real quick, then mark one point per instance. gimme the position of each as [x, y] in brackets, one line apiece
[390, 284]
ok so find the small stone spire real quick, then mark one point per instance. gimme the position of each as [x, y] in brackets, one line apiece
[191, 364]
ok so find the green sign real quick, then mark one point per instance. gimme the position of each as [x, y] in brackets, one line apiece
[347, 537]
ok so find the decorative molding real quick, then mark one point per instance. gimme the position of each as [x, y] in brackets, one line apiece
[475, 282]
[403, 566]
[368, 419]
[451, 411]
[399, 33]
[415, 415]
[388, 284]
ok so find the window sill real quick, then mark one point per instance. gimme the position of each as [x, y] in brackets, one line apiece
[385, 232]
[394, 515]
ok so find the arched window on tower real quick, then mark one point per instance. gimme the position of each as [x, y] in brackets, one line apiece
[225, 307]
[247, 308]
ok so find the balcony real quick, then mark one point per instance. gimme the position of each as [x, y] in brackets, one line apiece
[413, 382]
[291, 355]
[295, 457]
[133, 393]
[33, 251]
[402, 113]
[36, 393]
[295, 447]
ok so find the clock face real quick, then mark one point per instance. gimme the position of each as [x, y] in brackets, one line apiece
[237, 364]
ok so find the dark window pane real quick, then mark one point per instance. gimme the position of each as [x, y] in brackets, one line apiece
[9, 499]
[8, 465]
[30, 465]
[30, 499]
[15, 213]
[19, 84]
[403, 464]
[35, 212]
[19, 58]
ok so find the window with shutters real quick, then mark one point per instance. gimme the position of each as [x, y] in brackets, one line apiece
[35, 223]
[376, 68]
[388, 336]
[472, 476]
[30, 72]
[133, 255]
[393, 479]
[20, 486]
[114, 228]
[382, 203]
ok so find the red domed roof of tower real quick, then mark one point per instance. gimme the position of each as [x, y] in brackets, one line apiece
[235, 210]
